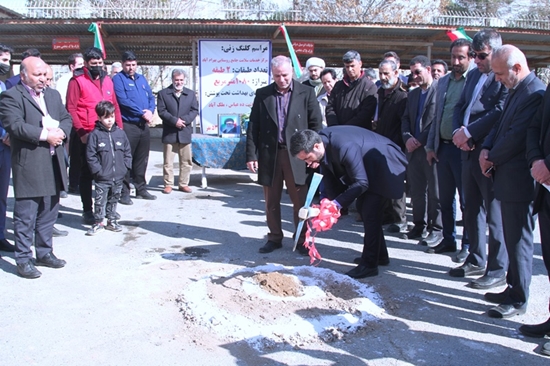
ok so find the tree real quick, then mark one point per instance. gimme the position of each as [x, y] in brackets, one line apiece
[481, 6]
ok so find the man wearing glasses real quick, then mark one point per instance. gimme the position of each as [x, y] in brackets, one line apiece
[478, 109]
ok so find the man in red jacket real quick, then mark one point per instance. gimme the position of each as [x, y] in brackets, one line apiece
[89, 86]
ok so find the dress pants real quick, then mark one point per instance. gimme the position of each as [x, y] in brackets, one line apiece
[424, 191]
[85, 181]
[273, 195]
[449, 176]
[140, 141]
[5, 166]
[395, 209]
[518, 224]
[544, 224]
[185, 163]
[33, 220]
[482, 209]
[374, 244]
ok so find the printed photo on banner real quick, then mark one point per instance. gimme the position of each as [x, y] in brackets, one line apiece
[229, 125]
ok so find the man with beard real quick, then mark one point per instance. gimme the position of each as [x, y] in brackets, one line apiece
[422, 177]
[503, 157]
[440, 147]
[88, 86]
[353, 99]
[475, 114]
[392, 101]
[177, 107]
[314, 67]
[5, 156]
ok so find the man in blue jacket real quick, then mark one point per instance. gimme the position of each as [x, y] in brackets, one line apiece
[137, 105]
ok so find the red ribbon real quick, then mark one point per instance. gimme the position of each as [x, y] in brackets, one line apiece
[328, 216]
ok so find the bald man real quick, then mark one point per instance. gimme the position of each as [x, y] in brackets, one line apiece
[38, 123]
[503, 158]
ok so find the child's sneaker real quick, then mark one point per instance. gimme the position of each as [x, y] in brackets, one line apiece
[113, 226]
[96, 228]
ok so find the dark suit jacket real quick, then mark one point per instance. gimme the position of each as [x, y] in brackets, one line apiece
[411, 111]
[485, 111]
[440, 100]
[263, 129]
[170, 108]
[507, 142]
[357, 160]
[33, 173]
[538, 143]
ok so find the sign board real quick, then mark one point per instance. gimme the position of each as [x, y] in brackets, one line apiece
[230, 71]
[303, 48]
[64, 44]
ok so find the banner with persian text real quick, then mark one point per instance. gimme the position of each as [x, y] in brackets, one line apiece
[230, 71]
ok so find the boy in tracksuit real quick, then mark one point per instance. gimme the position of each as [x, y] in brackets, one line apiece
[109, 157]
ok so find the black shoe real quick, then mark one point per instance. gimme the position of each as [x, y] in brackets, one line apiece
[302, 249]
[5, 246]
[28, 270]
[126, 200]
[146, 196]
[396, 228]
[88, 218]
[363, 271]
[270, 246]
[496, 297]
[63, 194]
[486, 282]
[415, 233]
[467, 269]
[381, 262]
[434, 239]
[537, 330]
[507, 310]
[442, 248]
[57, 232]
[461, 256]
[50, 260]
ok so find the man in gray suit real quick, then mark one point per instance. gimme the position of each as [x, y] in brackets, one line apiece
[279, 110]
[504, 158]
[476, 112]
[38, 123]
[415, 127]
[440, 146]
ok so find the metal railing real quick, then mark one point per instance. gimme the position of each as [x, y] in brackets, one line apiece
[204, 9]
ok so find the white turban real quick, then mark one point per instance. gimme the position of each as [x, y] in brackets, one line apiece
[315, 61]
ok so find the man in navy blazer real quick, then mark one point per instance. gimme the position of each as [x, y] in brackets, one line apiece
[415, 127]
[357, 164]
[473, 118]
[504, 158]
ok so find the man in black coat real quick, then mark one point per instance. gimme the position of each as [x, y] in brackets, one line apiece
[177, 107]
[357, 164]
[38, 123]
[279, 110]
[503, 157]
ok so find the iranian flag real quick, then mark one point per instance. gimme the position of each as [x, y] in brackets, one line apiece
[95, 28]
[458, 33]
[295, 61]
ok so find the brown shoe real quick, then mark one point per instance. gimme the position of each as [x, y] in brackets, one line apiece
[185, 189]
[167, 190]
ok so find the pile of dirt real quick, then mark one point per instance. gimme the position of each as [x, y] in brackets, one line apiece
[275, 304]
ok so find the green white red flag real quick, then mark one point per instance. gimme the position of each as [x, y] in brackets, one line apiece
[295, 61]
[458, 33]
[95, 28]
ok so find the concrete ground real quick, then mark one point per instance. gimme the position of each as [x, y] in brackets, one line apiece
[115, 303]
